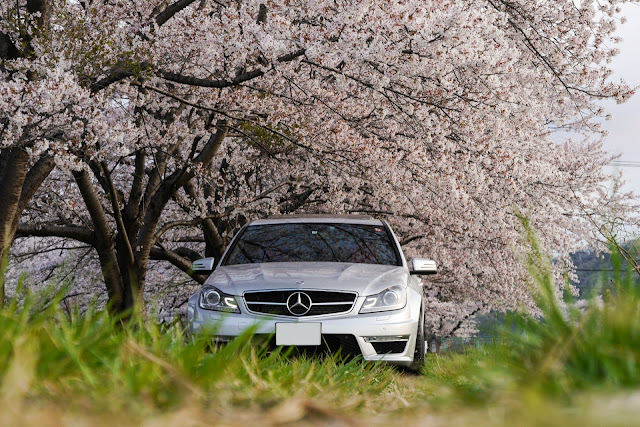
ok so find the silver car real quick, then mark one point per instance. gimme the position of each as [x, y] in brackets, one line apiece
[319, 281]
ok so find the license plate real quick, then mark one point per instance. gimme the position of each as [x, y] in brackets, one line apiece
[298, 333]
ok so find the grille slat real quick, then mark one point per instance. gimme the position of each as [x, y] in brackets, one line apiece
[322, 302]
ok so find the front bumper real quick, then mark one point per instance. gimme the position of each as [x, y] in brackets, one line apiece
[379, 336]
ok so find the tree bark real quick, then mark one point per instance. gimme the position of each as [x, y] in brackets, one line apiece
[213, 240]
[81, 234]
[44, 8]
[171, 10]
[103, 243]
[13, 176]
[7, 49]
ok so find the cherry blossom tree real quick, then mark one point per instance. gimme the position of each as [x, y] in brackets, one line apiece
[438, 116]
[44, 109]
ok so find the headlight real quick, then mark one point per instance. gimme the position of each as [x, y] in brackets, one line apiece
[393, 298]
[213, 299]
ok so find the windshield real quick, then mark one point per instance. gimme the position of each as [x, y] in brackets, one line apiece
[357, 243]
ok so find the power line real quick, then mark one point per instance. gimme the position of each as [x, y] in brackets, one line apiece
[625, 164]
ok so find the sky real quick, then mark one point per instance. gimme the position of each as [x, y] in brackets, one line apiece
[624, 126]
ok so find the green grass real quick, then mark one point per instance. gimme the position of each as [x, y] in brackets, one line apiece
[569, 350]
[563, 366]
[93, 365]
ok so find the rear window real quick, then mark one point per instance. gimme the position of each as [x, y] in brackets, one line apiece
[357, 243]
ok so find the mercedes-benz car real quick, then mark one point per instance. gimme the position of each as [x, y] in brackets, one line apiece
[317, 282]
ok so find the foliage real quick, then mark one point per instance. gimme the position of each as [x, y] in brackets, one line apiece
[93, 364]
[571, 348]
[563, 351]
[595, 269]
[590, 267]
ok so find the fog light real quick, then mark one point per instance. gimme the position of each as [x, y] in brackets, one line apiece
[386, 338]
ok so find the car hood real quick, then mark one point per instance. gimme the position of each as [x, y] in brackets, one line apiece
[366, 279]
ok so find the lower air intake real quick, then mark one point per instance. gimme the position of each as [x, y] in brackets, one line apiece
[386, 347]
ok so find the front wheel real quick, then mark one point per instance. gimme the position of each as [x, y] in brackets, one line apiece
[421, 346]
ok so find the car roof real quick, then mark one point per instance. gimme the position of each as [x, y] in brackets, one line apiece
[318, 218]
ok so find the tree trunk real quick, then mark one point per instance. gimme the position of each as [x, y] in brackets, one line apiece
[133, 276]
[16, 165]
[44, 9]
[103, 243]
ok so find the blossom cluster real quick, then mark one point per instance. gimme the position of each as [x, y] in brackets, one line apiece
[442, 117]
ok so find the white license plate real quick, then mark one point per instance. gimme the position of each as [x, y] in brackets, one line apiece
[298, 333]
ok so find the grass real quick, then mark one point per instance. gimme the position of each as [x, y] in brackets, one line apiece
[568, 349]
[563, 366]
[93, 366]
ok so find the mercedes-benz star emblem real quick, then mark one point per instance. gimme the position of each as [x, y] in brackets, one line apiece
[299, 303]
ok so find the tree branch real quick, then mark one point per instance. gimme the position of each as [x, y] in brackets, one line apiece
[103, 241]
[465, 318]
[187, 253]
[43, 9]
[36, 175]
[162, 254]
[208, 152]
[222, 83]
[81, 234]
[182, 100]
[171, 10]
[216, 84]
[214, 242]
[155, 176]
[117, 213]
[411, 239]
[296, 201]
[186, 223]
[132, 207]
[119, 72]
[170, 186]
[8, 50]
[125, 69]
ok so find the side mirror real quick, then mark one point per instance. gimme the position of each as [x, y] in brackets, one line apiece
[204, 264]
[422, 266]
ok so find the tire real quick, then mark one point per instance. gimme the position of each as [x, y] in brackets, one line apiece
[419, 353]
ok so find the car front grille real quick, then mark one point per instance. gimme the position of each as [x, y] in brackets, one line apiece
[344, 345]
[319, 302]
